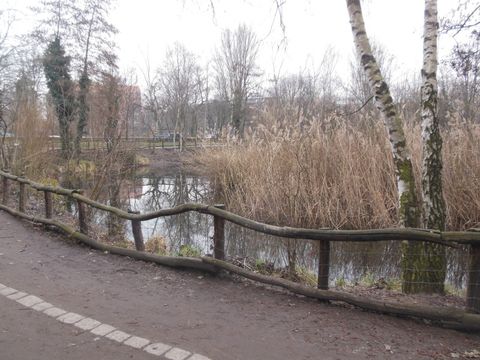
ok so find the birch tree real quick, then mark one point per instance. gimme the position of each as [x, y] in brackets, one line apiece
[423, 264]
[408, 206]
[434, 266]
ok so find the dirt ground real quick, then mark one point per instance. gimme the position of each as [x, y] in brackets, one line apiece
[219, 317]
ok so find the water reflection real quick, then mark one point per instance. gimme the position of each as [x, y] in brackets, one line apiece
[349, 261]
[187, 229]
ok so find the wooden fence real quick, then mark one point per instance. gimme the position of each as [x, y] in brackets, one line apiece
[468, 319]
[136, 143]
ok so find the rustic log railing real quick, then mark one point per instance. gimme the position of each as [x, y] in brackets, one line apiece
[469, 319]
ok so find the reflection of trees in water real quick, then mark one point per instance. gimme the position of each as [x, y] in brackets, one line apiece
[190, 228]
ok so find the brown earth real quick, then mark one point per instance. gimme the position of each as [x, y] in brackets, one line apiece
[219, 317]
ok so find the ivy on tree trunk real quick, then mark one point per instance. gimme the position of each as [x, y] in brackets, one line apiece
[56, 65]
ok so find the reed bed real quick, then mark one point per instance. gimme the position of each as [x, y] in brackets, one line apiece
[339, 175]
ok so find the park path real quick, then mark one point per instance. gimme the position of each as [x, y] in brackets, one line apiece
[195, 315]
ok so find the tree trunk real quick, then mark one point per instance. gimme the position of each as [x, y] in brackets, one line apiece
[409, 213]
[428, 263]
[82, 111]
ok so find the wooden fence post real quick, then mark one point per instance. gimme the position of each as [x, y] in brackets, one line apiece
[137, 232]
[219, 235]
[82, 215]
[473, 282]
[5, 188]
[48, 204]
[323, 264]
[22, 195]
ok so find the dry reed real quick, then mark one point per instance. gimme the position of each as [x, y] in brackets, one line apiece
[339, 176]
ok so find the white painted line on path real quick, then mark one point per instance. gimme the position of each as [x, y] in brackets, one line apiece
[177, 354]
[17, 295]
[54, 312]
[103, 330]
[137, 342]
[198, 357]
[7, 291]
[118, 336]
[157, 349]
[97, 328]
[70, 318]
[42, 306]
[87, 324]
[30, 300]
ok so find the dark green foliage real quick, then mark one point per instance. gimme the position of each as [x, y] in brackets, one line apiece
[56, 66]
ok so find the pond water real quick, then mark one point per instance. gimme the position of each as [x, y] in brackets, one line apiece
[350, 262]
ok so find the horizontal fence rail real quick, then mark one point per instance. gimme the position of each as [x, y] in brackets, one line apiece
[462, 319]
[447, 238]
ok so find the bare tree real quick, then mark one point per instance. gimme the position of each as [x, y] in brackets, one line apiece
[466, 17]
[111, 94]
[181, 86]
[93, 34]
[152, 98]
[463, 23]
[465, 63]
[235, 67]
[7, 51]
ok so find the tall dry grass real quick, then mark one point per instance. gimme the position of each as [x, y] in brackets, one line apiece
[339, 176]
[29, 151]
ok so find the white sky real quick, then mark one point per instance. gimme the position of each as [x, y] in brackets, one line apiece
[148, 27]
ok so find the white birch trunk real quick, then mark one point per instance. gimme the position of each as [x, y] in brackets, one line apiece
[433, 202]
[408, 207]
[432, 191]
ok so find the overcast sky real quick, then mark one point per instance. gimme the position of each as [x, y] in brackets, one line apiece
[148, 27]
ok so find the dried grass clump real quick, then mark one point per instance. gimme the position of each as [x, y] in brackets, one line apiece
[461, 177]
[336, 177]
[156, 245]
[30, 150]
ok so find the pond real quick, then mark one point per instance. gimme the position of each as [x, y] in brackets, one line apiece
[191, 233]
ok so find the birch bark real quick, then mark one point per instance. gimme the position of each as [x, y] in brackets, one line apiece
[408, 206]
[423, 264]
[415, 258]
[432, 191]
